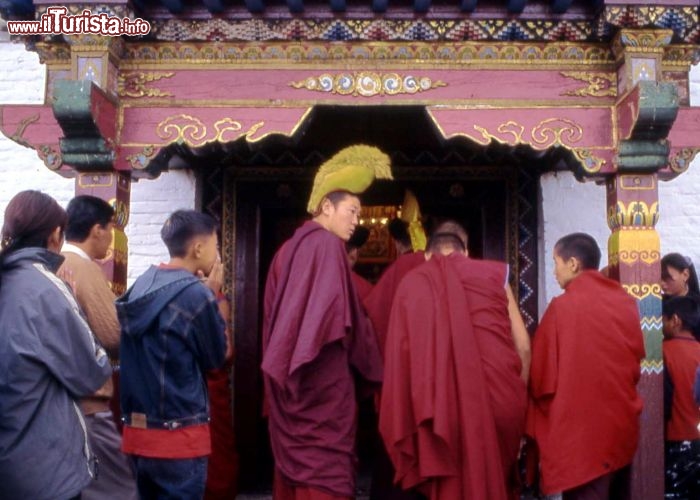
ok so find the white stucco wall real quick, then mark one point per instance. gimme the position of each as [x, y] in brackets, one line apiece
[151, 203]
[20, 168]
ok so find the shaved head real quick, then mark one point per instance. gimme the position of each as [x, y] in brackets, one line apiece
[453, 227]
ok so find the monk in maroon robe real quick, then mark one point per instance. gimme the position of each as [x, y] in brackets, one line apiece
[378, 302]
[586, 353]
[317, 343]
[222, 467]
[453, 402]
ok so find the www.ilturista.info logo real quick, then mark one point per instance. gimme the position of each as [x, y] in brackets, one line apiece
[57, 21]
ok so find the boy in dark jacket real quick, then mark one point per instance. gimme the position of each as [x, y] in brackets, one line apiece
[172, 334]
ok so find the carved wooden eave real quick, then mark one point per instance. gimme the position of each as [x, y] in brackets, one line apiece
[553, 76]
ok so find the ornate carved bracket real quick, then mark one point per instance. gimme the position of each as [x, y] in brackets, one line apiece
[34, 127]
[88, 119]
[645, 117]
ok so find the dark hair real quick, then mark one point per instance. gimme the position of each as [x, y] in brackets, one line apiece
[582, 246]
[398, 229]
[438, 241]
[680, 263]
[184, 225]
[84, 212]
[686, 308]
[358, 238]
[30, 218]
[453, 227]
[336, 197]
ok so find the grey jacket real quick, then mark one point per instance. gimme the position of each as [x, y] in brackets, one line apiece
[48, 360]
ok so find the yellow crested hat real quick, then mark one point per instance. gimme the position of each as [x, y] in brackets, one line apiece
[352, 169]
[410, 213]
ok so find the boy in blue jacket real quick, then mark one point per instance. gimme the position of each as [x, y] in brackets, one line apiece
[171, 334]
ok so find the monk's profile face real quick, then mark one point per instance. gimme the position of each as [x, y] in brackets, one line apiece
[565, 270]
[342, 217]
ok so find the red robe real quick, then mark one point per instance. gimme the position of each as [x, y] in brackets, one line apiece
[316, 338]
[681, 360]
[584, 407]
[362, 286]
[453, 405]
[222, 469]
[378, 302]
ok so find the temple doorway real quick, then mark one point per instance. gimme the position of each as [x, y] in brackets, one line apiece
[260, 193]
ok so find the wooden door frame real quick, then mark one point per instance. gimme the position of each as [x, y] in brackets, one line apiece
[241, 225]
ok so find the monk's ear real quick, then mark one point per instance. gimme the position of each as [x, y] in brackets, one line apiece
[574, 264]
[676, 322]
[326, 206]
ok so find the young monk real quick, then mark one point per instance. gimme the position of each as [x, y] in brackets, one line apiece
[586, 353]
[317, 342]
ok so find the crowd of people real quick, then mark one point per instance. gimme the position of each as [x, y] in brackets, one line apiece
[438, 345]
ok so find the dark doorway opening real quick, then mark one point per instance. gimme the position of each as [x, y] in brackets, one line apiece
[260, 191]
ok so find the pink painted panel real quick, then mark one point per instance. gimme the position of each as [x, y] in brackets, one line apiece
[34, 124]
[275, 85]
[104, 113]
[627, 113]
[685, 132]
[540, 127]
[197, 126]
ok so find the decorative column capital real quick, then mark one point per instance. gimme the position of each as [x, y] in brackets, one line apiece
[628, 41]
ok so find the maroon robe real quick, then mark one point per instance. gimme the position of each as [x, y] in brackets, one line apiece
[453, 404]
[378, 302]
[362, 286]
[315, 339]
[222, 467]
[584, 407]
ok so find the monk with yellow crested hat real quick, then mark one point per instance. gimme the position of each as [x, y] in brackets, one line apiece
[318, 345]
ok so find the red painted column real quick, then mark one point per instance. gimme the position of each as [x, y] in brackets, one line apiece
[113, 187]
[96, 59]
[633, 256]
[634, 246]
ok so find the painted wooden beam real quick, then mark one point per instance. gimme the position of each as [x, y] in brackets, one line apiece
[338, 5]
[380, 5]
[174, 6]
[561, 6]
[468, 5]
[255, 6]
[421, 6]
[214, 6]
[516, 6]
[295, 6]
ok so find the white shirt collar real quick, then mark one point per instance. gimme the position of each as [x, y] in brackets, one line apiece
[68, 247]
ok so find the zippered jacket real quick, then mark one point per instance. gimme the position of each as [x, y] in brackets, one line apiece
[48, 360]
[172, 334]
